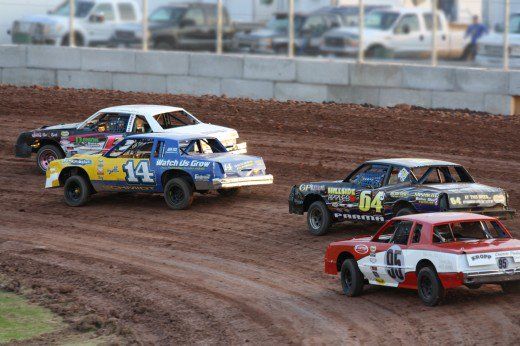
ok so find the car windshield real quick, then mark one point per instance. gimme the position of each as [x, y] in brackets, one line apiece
[167, 14]
[280, 23]
[82, 8]
[468, 231]
[381, 20]
[441, 175]
[175, 119]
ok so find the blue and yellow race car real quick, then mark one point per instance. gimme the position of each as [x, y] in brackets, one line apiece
[172, 164]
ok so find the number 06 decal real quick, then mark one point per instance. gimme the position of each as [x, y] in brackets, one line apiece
[395, 260]
[140, 174]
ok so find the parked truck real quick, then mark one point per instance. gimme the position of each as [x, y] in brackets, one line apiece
[490, 52]
[396, 32]
[94, 23]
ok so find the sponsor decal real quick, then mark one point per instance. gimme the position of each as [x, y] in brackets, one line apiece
[361, 249]
[311, 187]
[113, 170]
[78, 162]
[130, 123]
[503, 263]
[380, 281]
[37, 134]
[481, 259]
[138, 172]
[499, 199]
[399, 194]
[373, 250]
[455, 201]
[129, 188]
[243, 165]
[171, 150]
[481, 256]
[402, 175]
[202, 177]
[195, 164]
[54, 134]
[377, 218]
[86, 140]
[64, 133]
[341, 191]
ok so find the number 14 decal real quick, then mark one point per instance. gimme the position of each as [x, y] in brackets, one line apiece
[139, 174]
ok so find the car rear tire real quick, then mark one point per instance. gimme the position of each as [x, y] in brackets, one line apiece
[228, 192]
[430, 287]
[405, 211]
[46, 154]
[352, 279]
[178, 194]
[511, 287]
[318, 218]
[76, 190]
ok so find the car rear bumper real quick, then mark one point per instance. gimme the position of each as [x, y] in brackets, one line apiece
[492, 277]
[228, 183]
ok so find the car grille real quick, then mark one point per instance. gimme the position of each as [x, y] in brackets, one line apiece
[335, 42]
[35, 29]
[493, 50]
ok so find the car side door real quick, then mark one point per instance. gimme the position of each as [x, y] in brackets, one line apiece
[193, 30]
[387, 262]
[408, 36]
[102, 132]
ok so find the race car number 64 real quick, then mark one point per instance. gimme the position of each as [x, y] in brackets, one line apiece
[366, 202]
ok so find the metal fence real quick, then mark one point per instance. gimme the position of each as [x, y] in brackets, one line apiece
[291, 48]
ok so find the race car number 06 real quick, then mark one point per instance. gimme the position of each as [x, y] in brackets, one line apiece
[395, 259]
[139, 174]
[366, 202]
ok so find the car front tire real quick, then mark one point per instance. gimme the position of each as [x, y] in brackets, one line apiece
[46, 154]
[76, 191]
[318, 218]
[352, 279]
[430, 287]
[178, 194]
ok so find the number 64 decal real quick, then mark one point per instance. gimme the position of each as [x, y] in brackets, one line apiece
[139, 174]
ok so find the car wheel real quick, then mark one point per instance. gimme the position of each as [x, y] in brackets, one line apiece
[405, 211]
[76, 191]
[352, 279]
[178, 194]
[511, 287]
[228, 192]
[318, 218]
[430, 287]
[46, 155]
[377, 52]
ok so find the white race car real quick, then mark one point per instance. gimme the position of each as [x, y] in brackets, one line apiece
[108, 126]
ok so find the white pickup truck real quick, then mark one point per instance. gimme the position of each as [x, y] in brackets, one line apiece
[396, 32]
[491, 47]
[94, 23]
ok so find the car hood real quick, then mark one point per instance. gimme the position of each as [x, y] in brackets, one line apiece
[468, 195]
[71, 126]
[47, 19]
[219, 132]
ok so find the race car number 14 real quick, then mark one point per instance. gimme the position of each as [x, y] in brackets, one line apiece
[140, 174]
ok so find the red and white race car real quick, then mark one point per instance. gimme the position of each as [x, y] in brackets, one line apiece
[431, 253]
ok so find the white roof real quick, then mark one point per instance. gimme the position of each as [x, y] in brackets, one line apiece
[145, 110]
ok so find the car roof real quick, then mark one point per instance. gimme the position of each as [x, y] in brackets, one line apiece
[146, 110]
[169, 135]
[413, 162]
[443, 217]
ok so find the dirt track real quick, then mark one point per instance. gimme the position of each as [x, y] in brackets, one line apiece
[241, 270]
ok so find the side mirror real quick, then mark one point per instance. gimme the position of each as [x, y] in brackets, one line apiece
[187, 22]
[96, 18]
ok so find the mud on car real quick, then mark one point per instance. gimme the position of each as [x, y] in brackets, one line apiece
[431, 253]
[380, 189]
[175, 165]
[108, 126]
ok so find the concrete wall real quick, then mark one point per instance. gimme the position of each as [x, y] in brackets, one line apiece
[259, 77]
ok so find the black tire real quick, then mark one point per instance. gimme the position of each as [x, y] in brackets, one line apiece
[318, 218]
[511, 287]
[178, 194]
[377, 52]
[352, 279]
[473, 286]
[228, 192]
[46, 154]
[76, 190]
[430, 287]
[78, 40]
[405, 211]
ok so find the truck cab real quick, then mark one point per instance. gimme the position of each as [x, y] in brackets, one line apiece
[94, 23]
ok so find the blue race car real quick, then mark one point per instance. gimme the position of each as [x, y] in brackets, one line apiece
[172, 164]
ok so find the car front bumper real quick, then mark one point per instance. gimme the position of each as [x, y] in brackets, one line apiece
[228, 183]
[492, 277]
